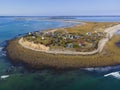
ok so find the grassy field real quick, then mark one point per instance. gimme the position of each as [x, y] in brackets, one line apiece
[109, 56]
[64, 38]
[91, 26]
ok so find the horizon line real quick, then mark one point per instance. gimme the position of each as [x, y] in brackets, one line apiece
[58, 15]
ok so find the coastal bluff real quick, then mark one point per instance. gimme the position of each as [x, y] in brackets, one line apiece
[32, 45]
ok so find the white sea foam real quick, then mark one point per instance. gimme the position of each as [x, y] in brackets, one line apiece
[103, 69]
[2, 53]
[89, 69]
[114, 74]
[1, 48]
[4, 76]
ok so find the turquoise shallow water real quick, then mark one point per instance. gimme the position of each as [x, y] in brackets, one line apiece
[22, 79]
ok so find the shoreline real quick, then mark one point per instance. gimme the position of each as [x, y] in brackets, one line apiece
[89, 61]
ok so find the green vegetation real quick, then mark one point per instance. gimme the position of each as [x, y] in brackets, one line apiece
[91, 27]
[83, 37]
[109, 56]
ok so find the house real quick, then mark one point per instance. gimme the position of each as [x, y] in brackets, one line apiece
[99, 34]
[81, 43]
[77, 37]
[29, 33]
[69, 45]
[88, 33]
[42, 38]
[33, 37]
[38, 33]
[95, 32]
[71, 37]
[64, 38]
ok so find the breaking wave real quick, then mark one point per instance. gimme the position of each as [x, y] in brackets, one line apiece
[113, 74]
[104, 69]
[2, 52]
[1, 48]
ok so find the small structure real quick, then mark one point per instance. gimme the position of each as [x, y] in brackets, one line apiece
[29, 33]
[77, 37]
[71, 37]
[88, 33]
[64, 38]
[81, 43]
[33, 37]
[69, 45]
[42, 38]
[95, 32]
[99, 34]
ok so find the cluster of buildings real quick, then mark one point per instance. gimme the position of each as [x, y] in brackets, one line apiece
[69, 40]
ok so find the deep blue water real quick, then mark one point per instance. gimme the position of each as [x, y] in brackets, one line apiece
[22, 79]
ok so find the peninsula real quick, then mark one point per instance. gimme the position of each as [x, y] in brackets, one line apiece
[88, 44]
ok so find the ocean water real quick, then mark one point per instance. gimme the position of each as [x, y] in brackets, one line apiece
[103, 78]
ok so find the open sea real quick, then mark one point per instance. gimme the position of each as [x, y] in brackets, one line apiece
[103, 78]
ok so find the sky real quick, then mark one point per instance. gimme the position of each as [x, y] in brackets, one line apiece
[59, 7]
